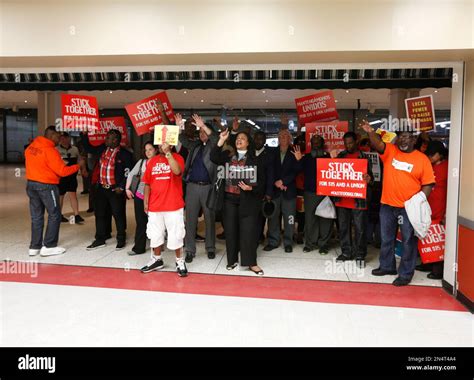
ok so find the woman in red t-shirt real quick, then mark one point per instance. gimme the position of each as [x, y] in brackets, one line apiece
[438, 155]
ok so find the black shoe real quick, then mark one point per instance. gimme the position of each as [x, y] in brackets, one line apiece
[434, 276]
[199, 238]
[211, 255]
[84, 192]
[120, 246]
[343, 257]
[133, 253]
[152, 266]
[221, 236]
[189, 257]
[95, 245]
[307, 249]
[90, 210]
[323, 251]
[380, 272]
[288, 249]
[78, 219]
[181, 269]
[64, 220]
[269, 248]
[423, 267]
[232, 266]
[400, 281]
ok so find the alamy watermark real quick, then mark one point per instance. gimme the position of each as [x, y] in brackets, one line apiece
[237, 172]
[19, 267]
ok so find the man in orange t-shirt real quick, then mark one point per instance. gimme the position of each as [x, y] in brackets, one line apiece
[406, 173]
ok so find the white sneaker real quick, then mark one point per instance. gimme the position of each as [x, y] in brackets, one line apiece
[33, 252]
[52, 251]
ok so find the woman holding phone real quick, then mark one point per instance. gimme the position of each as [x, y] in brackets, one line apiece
[243, 194]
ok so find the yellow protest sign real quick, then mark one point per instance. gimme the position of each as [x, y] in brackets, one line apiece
[387, 137]
[166, 133]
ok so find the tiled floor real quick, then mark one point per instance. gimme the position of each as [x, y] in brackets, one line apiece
[15, 236]
[52, 315]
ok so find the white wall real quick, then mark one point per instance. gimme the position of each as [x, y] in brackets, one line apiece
[126, 27]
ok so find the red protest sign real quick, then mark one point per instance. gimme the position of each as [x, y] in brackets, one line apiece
[316, 107]
[79, 113]
[331, 132]
[431, 248]
[420, 113]
[341, 177]
[97, 138]
[145, 113]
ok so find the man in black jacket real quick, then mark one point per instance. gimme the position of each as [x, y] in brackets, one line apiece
[265, 156]
[286, 168]
[199, 175]
[114, 165]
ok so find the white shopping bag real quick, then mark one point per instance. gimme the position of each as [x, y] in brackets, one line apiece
[326, 209]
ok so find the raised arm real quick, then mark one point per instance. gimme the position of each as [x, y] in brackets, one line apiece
[375, 139]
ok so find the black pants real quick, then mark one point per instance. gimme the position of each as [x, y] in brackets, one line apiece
[345, 217]
[107, 198]
[141, 220]
[241, 233]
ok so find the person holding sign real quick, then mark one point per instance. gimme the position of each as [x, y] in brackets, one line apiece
[353, 210]
[317, 230]
[438, 154]
[407, 172]
[163, 202]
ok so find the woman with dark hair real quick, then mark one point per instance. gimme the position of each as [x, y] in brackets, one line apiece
[137, 194]
[243, 193]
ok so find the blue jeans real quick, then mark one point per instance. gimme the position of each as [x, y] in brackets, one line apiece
[390, 218]
[44, 196]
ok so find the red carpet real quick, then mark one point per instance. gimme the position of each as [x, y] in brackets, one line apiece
[419, 297]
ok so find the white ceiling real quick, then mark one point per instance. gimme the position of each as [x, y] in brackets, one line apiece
[239, 98]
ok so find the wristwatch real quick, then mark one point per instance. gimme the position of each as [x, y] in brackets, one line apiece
[168, 155]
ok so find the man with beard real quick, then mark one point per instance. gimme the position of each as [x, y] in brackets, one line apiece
[407, 171]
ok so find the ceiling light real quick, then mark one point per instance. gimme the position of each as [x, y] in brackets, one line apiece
[436, 91]
[185, 92]
[110, 92]
[266, 100]
[347, 91]
[263, 91]
[202, 100]
[26, 101]
[336, 100]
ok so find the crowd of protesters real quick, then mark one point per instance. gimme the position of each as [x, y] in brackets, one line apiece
[260, 195]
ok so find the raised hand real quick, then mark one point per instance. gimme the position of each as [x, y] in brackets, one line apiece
[224, 135]
[366, 126]
[165, 147]
[235, 124]
[297, 152]
[198, 122]
[179, 120]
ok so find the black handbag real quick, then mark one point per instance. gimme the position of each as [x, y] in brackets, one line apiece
[215, 198]
[136, 179]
